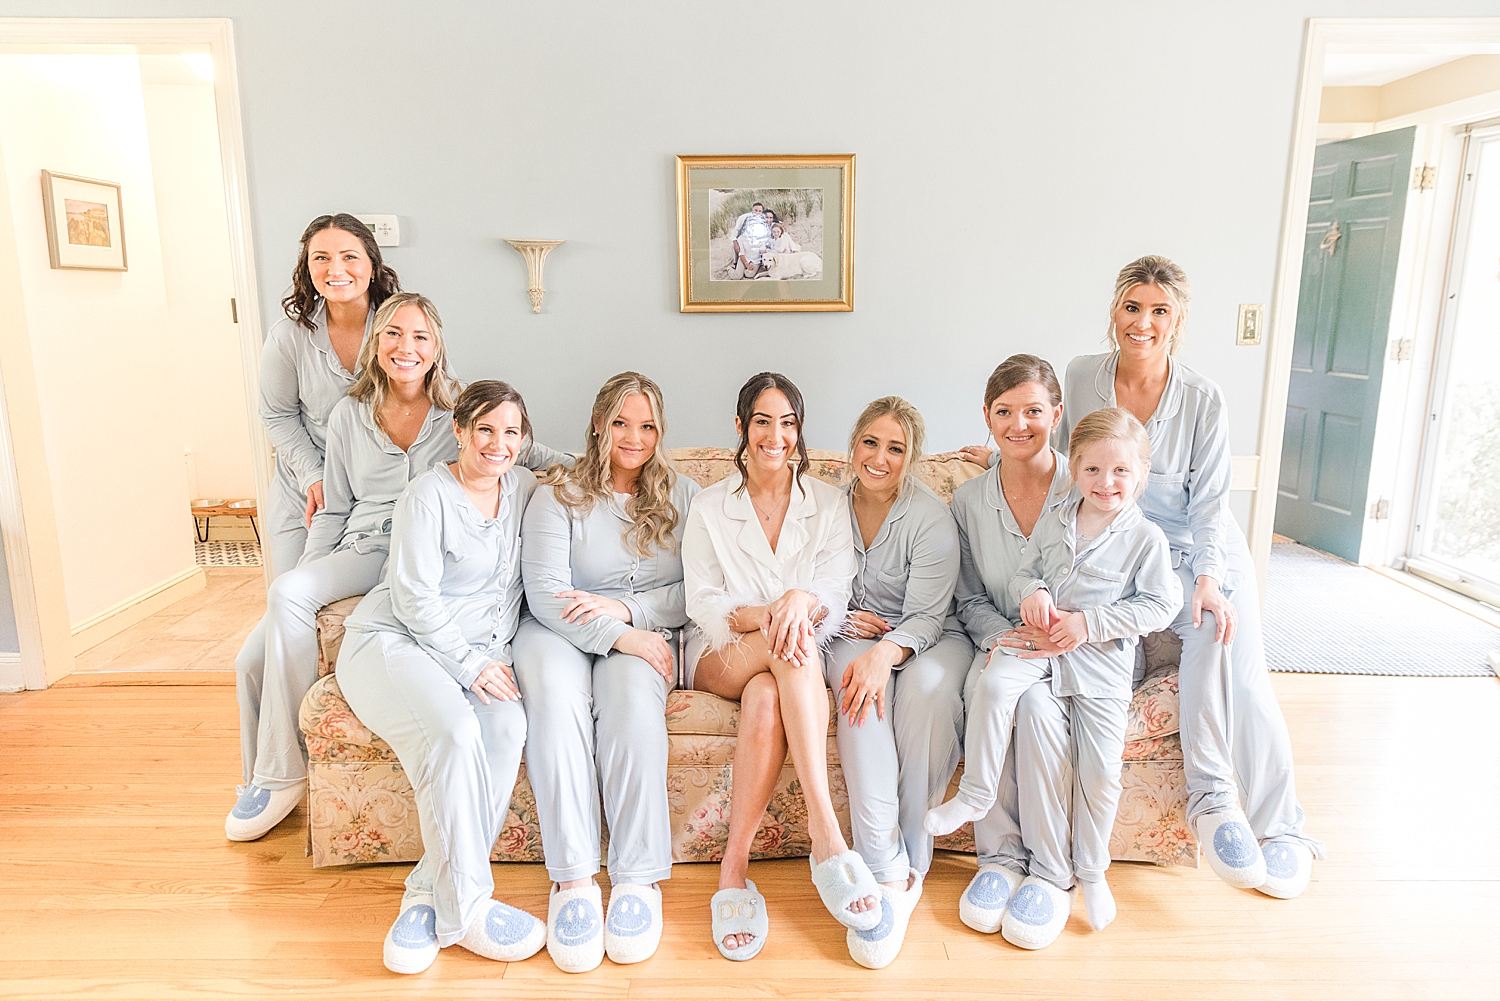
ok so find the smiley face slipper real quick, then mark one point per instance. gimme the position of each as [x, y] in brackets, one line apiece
[632, 928]
[504, 933]
[575, 928]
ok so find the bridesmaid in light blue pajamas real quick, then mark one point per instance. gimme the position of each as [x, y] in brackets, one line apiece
[308, 362]
[426, 665]
[603, 571]
[903, 655]
[390, 428]
[996, 514]
[1237, 754]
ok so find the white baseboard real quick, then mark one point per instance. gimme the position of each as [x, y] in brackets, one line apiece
[11, 678]
[117, 618]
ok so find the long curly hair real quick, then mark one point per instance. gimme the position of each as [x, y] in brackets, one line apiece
[653, 519]
[302, 302]
[373, 385]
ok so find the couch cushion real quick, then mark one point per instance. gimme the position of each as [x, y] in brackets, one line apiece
[332, 730]
[330, 622]
[690, 712]
[1154, 708]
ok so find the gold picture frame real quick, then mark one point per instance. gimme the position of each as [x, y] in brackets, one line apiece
[85, 223]
[753, 233]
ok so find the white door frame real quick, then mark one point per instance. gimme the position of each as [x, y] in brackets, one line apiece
[1461, 36]
[44, 661]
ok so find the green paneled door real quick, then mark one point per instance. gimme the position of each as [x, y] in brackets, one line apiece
[1343, 319]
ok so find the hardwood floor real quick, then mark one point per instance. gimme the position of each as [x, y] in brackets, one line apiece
[118, 881]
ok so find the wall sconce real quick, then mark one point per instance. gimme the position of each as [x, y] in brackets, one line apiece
[535, 252]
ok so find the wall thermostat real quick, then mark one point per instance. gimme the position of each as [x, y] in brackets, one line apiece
[387, 228]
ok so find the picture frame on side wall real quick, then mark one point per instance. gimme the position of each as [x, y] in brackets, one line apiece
[765, 233]
[85, 228]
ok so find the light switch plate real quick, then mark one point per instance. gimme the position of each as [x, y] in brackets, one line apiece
[387, 228]
[1252, 322]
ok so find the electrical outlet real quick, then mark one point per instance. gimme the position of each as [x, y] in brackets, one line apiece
[387, 228]
[1252, 319]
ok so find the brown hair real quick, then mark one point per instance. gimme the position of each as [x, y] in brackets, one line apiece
[912, 426]
[1018, 370]
[1109, 424]
[373, 384]
[579, 487]
[484, 396]
[1153, 269]
[744, 407]
[302, 302]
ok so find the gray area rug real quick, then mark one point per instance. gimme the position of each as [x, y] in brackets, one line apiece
[1325, 616]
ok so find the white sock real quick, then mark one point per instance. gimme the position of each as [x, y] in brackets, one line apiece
[1099, 903]
[949, 817]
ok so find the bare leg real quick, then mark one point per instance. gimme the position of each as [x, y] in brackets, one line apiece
[759, 751]
[801, 702]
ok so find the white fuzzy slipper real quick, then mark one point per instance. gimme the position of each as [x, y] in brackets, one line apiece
[258, 810]
[740, 912]
[632, 928]
[1288, 868]
[575, 928]
[982, 907]
[878, 947]
[411, 945]
[504, 933]
[1036, 915]
[1231, 849]
[841, 880]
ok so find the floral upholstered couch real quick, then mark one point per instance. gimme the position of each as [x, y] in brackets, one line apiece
[361, 807]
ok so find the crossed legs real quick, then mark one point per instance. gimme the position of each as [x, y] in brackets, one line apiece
[782, 707]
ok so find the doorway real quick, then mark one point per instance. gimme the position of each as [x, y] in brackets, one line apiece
[129, 390]
[1354, 368]
[1455, 538]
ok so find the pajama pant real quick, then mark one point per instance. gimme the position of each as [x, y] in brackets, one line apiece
[997, 682]
[898, 768]
[279, 663]
[284, 529]
[1235, 744]
[1068, 751]
[595, 721]
[461, 756]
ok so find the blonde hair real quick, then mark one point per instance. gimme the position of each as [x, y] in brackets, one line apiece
[912, 426]
[1153, 269]
[1110, 424]
[373, 385]
[579, 487]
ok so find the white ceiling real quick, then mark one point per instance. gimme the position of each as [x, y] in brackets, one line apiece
[1370, 70]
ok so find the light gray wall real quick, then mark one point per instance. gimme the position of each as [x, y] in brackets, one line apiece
[1011, 158]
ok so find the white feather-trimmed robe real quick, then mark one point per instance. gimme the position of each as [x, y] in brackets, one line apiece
[727, 562]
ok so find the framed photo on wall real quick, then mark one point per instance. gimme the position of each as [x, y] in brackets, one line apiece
[84, 225]
[765, 233]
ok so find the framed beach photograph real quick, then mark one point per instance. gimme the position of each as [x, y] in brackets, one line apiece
[765, 233]
[84, 225]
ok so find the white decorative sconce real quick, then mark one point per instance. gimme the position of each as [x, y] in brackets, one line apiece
[535, 252]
